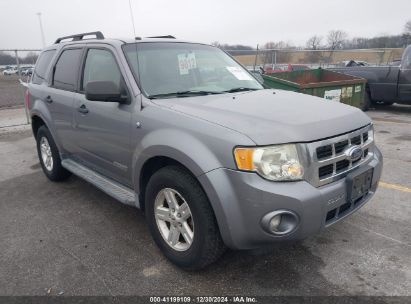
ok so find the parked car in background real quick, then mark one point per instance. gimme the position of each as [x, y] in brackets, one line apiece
[12, 71]
[386, 84]
[288, 67]
[27, 72]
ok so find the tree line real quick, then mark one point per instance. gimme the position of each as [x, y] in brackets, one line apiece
[10, 59]
[334, 40]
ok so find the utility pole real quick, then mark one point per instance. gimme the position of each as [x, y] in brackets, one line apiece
[256, 57]
[43, 39]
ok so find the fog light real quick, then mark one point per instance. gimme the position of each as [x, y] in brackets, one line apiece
[280, 222]
[275, 223]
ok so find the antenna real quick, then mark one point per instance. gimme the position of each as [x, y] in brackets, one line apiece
[132, 17]
[135, 44]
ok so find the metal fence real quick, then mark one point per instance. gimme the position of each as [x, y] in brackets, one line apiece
[316, 58]
[15, 70]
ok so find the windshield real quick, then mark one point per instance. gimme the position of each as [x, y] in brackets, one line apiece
[186, 69]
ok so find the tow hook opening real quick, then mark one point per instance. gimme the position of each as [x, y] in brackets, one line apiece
[280, 222]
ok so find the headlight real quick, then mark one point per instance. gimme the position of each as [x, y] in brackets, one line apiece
[371, 133]
[278, 163]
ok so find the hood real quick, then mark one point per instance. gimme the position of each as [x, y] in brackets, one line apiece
[273, 116]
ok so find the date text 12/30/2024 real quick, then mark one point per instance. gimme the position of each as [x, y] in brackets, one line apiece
[203, 299]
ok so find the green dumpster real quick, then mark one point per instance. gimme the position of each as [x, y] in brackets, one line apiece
[322, 83]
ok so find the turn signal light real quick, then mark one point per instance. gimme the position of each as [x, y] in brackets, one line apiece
[244, 158]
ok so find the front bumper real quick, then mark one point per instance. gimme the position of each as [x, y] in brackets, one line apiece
[240, 200]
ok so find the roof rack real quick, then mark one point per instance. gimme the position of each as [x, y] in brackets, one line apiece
[99, 35]
[165, 36]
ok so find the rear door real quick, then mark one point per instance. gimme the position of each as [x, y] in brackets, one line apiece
[39, 86]
[404, 79]
[60, 96]
[102, 129]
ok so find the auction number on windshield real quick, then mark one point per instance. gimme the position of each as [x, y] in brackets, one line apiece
[186, 62]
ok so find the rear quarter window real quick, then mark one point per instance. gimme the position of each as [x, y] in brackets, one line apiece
[42, 66]
[66, 70]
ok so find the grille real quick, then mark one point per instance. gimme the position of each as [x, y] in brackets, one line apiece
[344, 209]
[324, 152]
[340, 146]
[330, 163]
[325, 170]
[356, 140]
[342, 165]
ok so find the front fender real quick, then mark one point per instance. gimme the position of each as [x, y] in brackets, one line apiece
[197, 157]
[179, 146]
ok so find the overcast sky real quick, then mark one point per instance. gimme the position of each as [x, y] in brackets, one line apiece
[226, 21]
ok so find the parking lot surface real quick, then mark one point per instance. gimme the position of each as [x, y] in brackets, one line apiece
[12, 92]
[71, 238]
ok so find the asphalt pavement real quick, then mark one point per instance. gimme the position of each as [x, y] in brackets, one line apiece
[70, 238]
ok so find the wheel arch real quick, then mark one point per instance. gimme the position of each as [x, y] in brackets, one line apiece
[151, 166]
[40, 115]
[36, 123]
[154, 164]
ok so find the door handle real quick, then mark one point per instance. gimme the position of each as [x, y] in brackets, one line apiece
[82, 109]
[49, 99]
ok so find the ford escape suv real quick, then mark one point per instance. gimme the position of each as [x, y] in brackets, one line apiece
[185, 133]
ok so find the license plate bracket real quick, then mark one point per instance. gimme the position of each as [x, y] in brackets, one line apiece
[359, 183]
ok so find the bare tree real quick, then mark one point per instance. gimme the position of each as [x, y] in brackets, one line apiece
[30, 58]
[335, 39]
[406, 36]
[407, 27]
[277, 55]
[277, 45]
[314, 42]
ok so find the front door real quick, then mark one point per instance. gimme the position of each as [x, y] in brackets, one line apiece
[102, 129]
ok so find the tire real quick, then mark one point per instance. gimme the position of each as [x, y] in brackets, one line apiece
[365, 106]
[207, 245]
[51, 165]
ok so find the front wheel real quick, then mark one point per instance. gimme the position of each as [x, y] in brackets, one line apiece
[181, 219]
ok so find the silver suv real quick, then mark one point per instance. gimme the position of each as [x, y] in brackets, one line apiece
[185, 133]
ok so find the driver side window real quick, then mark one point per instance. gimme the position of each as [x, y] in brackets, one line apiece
[101, 65]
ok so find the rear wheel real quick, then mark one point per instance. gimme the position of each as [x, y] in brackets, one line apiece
[181, 219]
[49, 156]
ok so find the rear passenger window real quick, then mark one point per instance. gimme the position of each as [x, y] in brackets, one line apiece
[42, 66]
[100, 66]
[66, 70]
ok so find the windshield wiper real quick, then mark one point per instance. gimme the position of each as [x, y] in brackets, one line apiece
[183, 94]
[240, 89]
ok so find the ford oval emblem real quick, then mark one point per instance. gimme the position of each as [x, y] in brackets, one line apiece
[353, 153]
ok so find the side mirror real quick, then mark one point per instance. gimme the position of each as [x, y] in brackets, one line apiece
[104, 91]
